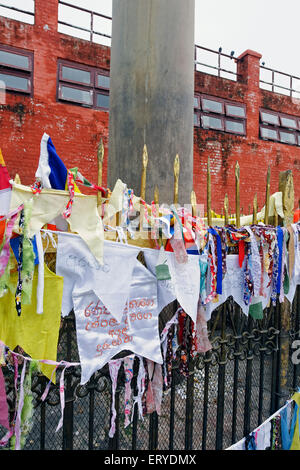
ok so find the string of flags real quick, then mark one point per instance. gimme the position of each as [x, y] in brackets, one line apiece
[115, 298]
[279, 432]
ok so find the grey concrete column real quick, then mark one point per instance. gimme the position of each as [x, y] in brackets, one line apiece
[151, 95]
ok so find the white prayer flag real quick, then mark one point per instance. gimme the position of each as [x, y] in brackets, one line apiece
[100, 336]
[165, 288]
[295, 278]
[184, 284]
[186, 281]
[233, 285]
[82, 272]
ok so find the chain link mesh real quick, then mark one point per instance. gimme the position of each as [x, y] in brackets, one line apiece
[88, 407]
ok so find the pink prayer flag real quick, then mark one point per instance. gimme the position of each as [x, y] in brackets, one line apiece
[3, 403]
[5, 187]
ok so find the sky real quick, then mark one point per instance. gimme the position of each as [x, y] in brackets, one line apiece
[269, 27]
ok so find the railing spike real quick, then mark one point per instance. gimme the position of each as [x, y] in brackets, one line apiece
[100, 159]
[194, 203]
[267, 204]
[176, 179]
[237, 194]
[208, 193]
[226, 208]
[143, 183]
[254, 218]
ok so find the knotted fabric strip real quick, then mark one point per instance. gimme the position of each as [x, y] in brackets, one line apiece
[114, 367]
[255, 263]
[219, 260]
[128, 369]
[20, 407]
[5, 253]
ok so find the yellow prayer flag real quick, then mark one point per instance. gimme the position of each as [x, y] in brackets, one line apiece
[36, 333]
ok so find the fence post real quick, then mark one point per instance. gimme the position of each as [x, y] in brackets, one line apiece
[221, 383]
[68, 411]
[248, 379]
[286, 186]
[189, 409]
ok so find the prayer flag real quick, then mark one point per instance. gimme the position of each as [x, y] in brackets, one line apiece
[5, 187]
[51, 170]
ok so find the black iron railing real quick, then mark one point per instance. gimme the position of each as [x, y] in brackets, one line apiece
[227, 393]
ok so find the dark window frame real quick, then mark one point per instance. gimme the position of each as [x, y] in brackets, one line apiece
[287, 131]
[197, 119]
[77, 87]
[18, 71]
[273, 128]
[100, 87]
[280, 116]
[197, 97]
[242, 105]
[95, 97]
[75, 82]
[273, 113]
[292, 118]
[213, 116]
[281, 127]
[212, 98]
[92, 86]
[239, 121]
[225, 116]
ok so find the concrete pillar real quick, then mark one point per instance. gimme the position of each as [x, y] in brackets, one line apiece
[151, 95]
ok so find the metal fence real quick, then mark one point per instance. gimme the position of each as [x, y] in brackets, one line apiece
[215, 62]
[229, 390]
[82, 22]
[279, 82]
[20, 11]
[96, 27]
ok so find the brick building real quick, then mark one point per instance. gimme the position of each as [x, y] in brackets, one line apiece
[60, 85]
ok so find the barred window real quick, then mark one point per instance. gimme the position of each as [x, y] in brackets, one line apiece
[218, 114]
[83, 85]
[279, 127]
[16, 69]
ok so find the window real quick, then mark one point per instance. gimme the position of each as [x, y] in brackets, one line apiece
[268, 133]
[287, 137]
[16, 69]
[236, 127]
[212, 106]
[269, 118]
[235, 111]
[218, 114]
[210, 122]
[279, 127]
[83, 85]
[288, 122]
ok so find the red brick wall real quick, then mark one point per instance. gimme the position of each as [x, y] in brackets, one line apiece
[253, 154]
[76, 131]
